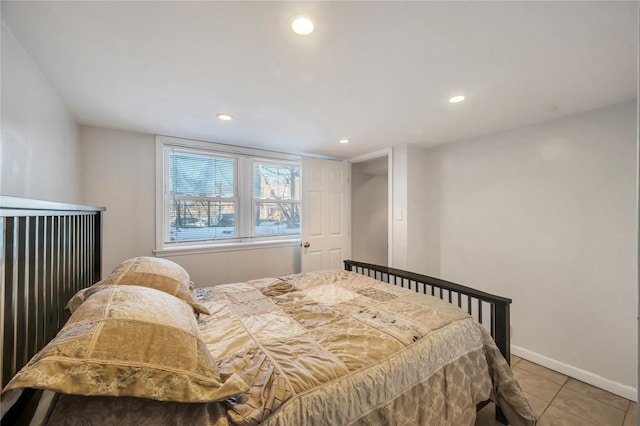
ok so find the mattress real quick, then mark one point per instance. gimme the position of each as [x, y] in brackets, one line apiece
[330, 347]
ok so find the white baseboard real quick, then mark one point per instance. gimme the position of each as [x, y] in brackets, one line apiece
[624, 391]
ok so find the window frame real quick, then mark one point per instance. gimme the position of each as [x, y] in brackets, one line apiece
[244, 158]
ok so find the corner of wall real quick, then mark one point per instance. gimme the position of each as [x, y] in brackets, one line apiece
[40, 158]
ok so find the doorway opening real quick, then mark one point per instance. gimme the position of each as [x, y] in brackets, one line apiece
[370, 195]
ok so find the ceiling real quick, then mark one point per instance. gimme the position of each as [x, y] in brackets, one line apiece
[377, 73]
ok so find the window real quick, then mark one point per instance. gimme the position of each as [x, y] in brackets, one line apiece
[276, 199]
[216, 195]
[201, 199]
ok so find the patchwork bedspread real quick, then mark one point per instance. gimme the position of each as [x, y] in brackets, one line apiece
[331, 348]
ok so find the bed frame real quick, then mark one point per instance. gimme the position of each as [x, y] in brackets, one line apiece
[490, 310]
[48, 251]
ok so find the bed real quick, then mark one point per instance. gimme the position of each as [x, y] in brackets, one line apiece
[369, 345]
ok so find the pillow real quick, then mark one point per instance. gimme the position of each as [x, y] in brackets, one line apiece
[161, 274]
[129, 341]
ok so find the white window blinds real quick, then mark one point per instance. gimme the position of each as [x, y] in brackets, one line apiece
[215, 197]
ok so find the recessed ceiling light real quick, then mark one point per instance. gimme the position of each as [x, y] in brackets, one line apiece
[302, 26]
[344, 140]
[224, 117]
[456, 99]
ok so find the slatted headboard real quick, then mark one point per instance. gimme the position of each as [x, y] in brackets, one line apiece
[48, 251]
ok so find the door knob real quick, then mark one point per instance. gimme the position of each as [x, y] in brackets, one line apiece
[306, 244]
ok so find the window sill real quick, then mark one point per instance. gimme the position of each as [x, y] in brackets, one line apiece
[201, 249]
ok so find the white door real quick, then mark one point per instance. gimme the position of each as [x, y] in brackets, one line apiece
[326, 214]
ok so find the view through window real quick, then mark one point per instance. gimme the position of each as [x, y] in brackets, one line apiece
[216, 196]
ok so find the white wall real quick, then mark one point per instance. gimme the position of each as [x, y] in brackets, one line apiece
[547, 216]
[119, 173]
[209, 269]
[423, 212]
[399, 229]
[369, 211]
[416, 211]
[39, 148]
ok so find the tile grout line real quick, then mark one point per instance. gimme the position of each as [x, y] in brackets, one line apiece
[625, 411]
[561, 409]
[553, 399]
[563, 385]
[628, 413]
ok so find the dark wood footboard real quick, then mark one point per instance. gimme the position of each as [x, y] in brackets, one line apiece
[490, 310]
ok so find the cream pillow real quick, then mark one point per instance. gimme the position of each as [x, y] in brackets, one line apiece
[153, 272]
[129, 341]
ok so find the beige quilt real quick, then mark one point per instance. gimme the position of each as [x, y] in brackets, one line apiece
[331, 348]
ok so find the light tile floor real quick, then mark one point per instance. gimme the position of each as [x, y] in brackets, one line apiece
[559, 400]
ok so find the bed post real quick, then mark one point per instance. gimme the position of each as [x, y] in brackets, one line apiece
[503, 330]
[503, 342]
[97, 248]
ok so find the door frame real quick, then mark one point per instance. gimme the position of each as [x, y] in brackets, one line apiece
[387, 152]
